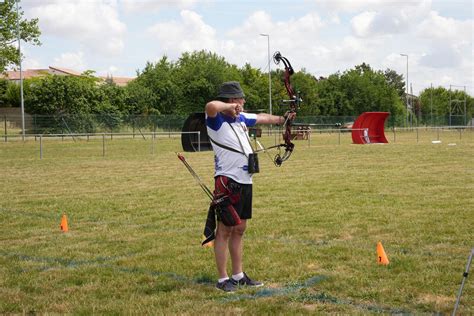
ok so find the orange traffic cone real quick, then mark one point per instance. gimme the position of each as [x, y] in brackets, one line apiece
[381, 256]
[64, 227]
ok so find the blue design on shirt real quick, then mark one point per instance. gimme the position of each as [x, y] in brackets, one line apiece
[216, 122]
[248, 121]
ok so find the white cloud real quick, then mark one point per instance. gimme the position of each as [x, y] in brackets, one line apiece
[93, 24]
[74, 61]
[187, 34]
[372, 5]
[109, 71]
[346, 34]
[334, 18]
[350, 49]
[30, 62]
[389, 20]
[442, 28]
[292, 36]
[362, 23]
[450, 42]
[112, 69]
[257, 23]
[134, 6]
[442, 57]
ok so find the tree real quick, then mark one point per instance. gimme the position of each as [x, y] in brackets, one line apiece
[160, 81]
[112, 106]
[3, 92]
[29, 32]
[140, 99]
[436, 101]
[199, 75]
[332, 100]
[12, 95]
[396, 81]
[255, 86]
[69, 100]
[306, 85]
[356, 91]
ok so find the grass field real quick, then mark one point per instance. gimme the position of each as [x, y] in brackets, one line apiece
[136, 218]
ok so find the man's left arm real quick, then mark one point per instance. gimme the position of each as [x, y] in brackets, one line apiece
[264, 118]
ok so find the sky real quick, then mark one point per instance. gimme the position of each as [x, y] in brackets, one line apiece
[118, 37]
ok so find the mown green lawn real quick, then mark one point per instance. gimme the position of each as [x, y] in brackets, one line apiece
[136, 218]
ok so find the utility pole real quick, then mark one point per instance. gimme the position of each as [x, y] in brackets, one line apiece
[406, 84]
[21, 73]
[269, 73]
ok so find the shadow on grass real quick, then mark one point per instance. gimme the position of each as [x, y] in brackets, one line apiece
[292, 290]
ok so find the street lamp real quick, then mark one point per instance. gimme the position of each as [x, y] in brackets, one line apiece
[21, 74]
[269, 73]
[405, 55]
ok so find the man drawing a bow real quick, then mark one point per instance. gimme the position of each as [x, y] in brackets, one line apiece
[235, 163]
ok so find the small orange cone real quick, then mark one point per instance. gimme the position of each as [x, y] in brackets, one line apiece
[64, 227]
[209, 244]
[381, 256]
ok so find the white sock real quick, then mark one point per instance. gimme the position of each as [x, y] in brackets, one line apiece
[238, 276]
[223, 279]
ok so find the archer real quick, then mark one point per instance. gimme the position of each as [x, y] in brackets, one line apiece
[235, 163]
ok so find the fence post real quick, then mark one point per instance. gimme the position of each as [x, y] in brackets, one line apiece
[394, 135]
[103, 144]
[417, 134]
[276, 142]
[339, 137]
[41, 147]
[153, 144]
[6, 137]
[199, 140]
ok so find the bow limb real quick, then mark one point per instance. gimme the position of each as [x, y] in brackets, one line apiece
[293, 102]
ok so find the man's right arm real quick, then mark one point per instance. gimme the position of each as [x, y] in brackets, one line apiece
[214, 107]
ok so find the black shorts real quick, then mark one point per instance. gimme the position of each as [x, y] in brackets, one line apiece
[244, 204]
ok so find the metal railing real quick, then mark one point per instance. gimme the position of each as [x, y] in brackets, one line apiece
[139, 124]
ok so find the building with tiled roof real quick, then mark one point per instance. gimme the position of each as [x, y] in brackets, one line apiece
[119, 81]
[31, 73]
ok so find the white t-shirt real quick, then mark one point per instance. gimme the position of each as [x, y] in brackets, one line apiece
[228, 163]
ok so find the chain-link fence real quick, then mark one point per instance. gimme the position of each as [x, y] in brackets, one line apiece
[11, 125]
[87, 123]
[128, 144]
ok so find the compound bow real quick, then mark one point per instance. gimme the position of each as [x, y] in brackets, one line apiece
[294, 104]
